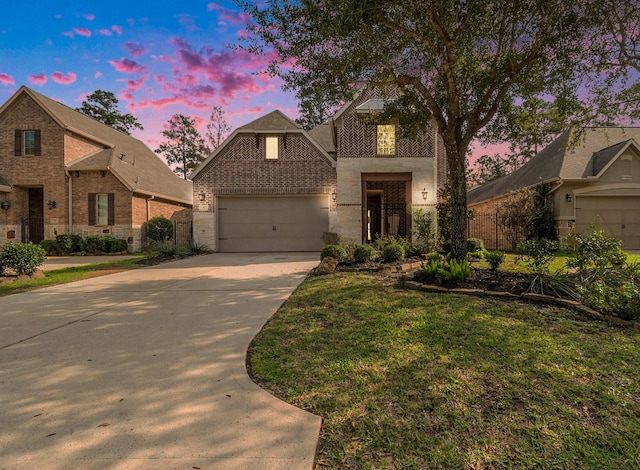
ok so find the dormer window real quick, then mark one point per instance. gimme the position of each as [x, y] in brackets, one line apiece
[271, 147]
[386, 139]
[626, 167]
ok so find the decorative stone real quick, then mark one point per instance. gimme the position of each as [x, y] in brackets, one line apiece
[502, 295]
[467, 291]
[326, 266]
[413, 285]
[539, 298]
[432, 288]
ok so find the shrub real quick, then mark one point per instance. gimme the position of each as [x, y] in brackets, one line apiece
[116, 245]
[334, 251]
[617, 300]
[159, 229]
[96, 244]
[475, 245]
[363, 253]
[537, 254]
[431, 268]
[70, 243]
[21, 258]
[425, 234]
[50, 246]
[393, 252]
[594, 253]
[495, 258]
[458, 270]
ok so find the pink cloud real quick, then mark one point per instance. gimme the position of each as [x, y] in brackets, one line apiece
[90, 16]
[6, 79]
[230, 16]
[97, 75]
[117, 29]
[135, 49]
[133, 85]
[69, 34]
[39, 79]
[188, 22]
[82, 32]
[105, 32]
[125, 65]
[60, 78]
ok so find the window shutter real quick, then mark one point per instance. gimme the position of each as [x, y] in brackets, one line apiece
[18, 143]
[92, 208]
[112, 212]
[38, 149]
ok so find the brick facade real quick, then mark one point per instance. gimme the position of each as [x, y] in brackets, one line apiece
[41, 189]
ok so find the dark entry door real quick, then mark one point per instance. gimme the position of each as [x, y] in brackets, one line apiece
[33, 227]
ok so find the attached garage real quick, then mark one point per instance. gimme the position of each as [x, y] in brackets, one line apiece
[272, 224]
[618, 216]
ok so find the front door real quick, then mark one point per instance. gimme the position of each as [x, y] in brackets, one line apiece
[33, 226]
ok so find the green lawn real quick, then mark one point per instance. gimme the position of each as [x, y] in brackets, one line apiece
[66, 275]
[406, 379]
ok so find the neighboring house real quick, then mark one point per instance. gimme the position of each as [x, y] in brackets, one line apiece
[594, 180]
[272, 186]
[64, 172]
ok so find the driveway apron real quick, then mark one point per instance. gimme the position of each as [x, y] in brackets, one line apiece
[146, 369]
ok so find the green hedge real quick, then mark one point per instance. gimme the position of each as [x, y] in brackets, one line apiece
[21, 258]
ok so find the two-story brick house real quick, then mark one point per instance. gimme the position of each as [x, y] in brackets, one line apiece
[271, 186]
[64, 172]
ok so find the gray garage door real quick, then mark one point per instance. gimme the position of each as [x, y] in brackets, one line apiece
[265, 224]
[618, 216]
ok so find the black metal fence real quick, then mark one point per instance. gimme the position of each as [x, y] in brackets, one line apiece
[388, 219]
[492, 230]
[182, 232]
[32, 229]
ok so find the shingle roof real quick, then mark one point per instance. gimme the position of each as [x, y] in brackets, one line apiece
[130, 160]
[562, 159]
[274, 121]
[324, 136]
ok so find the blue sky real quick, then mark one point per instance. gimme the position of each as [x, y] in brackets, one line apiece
[158, 57]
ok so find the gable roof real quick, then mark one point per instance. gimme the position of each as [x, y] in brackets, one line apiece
[273, 123]
[595, 149]
[129, 159]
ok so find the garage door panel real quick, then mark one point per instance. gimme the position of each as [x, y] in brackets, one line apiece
[618, 216]
[263, 224]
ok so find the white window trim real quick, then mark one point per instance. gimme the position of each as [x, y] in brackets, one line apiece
[271, 147]
[25, 151]
[102, 219]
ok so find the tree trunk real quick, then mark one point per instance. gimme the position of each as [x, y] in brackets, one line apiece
[456, 166]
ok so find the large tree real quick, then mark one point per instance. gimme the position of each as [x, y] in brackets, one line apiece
[217, 128]
[103, 106]
[185, 148]
[459, 63]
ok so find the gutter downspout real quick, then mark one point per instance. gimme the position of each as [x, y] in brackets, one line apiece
[70, 208]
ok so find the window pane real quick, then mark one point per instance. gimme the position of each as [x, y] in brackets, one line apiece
[271, 148]
[386, 139]
[29, 142]
[102, 209]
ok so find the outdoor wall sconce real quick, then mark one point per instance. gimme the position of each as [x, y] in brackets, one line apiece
[5, 205]
[202, 195]
[52, 204]
[333, 196]
[425, 194]
[569, 197]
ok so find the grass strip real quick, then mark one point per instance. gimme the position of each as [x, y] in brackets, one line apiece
[406, 379]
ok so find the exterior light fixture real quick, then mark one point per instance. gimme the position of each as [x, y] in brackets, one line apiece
[5, 205]
[202, 195]
[52, 204]
[569, 197]
[425, 193]
[333, 196]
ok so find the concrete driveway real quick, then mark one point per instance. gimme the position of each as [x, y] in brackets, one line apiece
[146, 370]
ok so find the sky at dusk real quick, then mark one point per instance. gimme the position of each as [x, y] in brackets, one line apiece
[159, 58]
